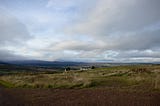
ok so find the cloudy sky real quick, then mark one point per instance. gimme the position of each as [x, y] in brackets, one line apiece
[80, 30]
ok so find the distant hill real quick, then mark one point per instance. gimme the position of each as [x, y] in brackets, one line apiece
[61, 64]
[45, 63]
[3, 63]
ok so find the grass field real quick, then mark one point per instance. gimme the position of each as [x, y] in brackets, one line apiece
[137, 85]
[136, 77]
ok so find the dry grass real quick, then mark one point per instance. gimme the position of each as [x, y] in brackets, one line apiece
[128, 77]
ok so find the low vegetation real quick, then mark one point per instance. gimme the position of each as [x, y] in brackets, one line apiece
[138, 77]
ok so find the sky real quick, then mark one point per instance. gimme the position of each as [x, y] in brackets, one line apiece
[80, 30]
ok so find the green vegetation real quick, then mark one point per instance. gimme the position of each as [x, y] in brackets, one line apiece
[138, 77]
[6, 84]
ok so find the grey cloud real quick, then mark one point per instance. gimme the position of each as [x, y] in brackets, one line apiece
[110, 16]
[13, 33]
[139, 54]
[137, 41]
[121, 24]
[120, 29]
[9, 55]
[11, 29]
[74, 45]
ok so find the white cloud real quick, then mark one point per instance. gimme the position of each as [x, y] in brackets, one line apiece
[110, 16]
[95, 30]
[57, 4]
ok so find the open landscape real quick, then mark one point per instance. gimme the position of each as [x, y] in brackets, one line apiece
[134, 85]
[136, 77]
[79, 52]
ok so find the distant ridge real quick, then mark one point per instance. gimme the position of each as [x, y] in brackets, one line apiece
[45, 63]
[3, 63]
[61, 64]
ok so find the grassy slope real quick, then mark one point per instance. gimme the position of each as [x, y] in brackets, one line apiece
[6, 84]
[126, 77]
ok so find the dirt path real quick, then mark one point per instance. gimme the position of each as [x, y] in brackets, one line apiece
[77, 97]
[7, 98]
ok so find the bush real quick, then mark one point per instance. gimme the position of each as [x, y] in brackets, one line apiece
[6, 84]
[93, 67]
[140, 70]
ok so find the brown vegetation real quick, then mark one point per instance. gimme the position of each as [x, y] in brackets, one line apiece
[112, 86]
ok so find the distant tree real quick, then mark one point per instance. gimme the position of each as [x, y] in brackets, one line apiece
[93, 67]
[68, 69]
